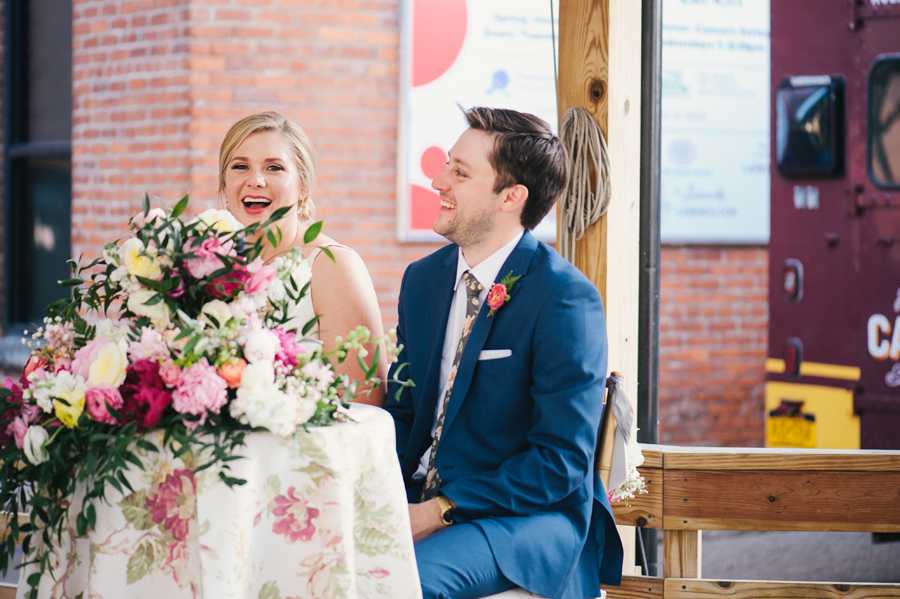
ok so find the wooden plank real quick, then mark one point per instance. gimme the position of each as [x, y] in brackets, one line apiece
[751, 589]
[636, 587]
[645, 509]
[824, 501]
[653, 455]
[599, 71]
[754, 458]
[681, 554]
[7, 591]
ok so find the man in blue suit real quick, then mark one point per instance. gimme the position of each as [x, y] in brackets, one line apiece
[506, 344]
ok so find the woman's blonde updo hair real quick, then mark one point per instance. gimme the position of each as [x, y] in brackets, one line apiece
[305, 157]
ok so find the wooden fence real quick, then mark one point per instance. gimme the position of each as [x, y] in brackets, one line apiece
[691, 489]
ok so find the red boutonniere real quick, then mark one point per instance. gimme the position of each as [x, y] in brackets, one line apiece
[499, 293]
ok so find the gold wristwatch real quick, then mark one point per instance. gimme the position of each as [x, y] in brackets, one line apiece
[446, 509]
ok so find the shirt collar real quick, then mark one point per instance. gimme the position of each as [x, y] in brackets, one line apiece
[487, 270]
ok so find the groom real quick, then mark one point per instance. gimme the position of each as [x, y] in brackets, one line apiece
[506, 344]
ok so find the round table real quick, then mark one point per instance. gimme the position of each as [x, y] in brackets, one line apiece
[323, 514]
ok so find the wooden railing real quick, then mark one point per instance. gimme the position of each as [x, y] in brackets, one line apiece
[691, 489]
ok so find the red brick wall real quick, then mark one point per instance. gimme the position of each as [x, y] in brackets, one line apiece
[712, 338]
[131, 112]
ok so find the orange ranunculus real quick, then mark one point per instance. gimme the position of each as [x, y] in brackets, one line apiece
[35, 361]
[231, 371]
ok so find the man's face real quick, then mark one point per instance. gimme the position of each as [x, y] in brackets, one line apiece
[469, 207]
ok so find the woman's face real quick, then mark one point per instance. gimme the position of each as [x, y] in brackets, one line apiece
[261, 178]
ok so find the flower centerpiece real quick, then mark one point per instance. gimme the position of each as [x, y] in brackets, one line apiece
[180, 327]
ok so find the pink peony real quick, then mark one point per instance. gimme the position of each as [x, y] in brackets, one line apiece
[261, 276]
[173, 504]
[207, 256]
[96, 397]
[289, 353]
[293, 517]
[143, 394]
[200, 389]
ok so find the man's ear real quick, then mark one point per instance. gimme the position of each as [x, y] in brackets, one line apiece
[514, 198]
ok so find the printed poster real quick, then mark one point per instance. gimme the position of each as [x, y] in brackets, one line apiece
[715, 122]
[496, 53]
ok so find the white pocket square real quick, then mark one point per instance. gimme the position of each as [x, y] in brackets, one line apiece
[494, 354]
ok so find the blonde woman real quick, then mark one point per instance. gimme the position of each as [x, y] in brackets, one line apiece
[267, 162]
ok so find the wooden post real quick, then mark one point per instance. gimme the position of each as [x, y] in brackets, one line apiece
[600, 71]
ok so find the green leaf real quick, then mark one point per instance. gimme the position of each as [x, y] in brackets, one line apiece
[140, 563]
[134, 510]
[309, 325]
[145, 203]
[146, 445]
[312, 232]
[180, 207]
[269, 591]
[91, 516]
[70, 282]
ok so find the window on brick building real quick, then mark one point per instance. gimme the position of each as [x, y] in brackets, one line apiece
[37, 137]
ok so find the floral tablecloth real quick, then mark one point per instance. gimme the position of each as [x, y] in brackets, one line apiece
[323, 515]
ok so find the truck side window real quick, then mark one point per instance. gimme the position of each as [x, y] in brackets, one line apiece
[809, 130]
[884, 121]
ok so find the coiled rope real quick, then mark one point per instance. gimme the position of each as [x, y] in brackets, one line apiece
[586, 198]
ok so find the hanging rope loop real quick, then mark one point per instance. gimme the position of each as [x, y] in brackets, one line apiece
[586, 198]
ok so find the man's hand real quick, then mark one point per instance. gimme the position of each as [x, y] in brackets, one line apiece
[425, 519]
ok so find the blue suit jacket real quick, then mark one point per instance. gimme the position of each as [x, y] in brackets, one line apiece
[517, 448]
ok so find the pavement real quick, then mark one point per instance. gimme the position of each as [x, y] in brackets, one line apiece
[800, 556]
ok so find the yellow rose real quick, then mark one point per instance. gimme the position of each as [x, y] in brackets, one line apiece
[140, 261]
[109, 365]
[69, 414]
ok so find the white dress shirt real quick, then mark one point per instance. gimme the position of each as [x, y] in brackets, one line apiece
[486, 272]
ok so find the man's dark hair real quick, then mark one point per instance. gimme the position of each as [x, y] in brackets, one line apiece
[525, 152]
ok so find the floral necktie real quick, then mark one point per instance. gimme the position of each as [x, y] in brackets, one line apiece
[473, 304]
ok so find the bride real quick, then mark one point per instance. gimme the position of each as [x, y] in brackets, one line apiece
[267, 162]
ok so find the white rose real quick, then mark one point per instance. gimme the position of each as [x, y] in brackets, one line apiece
[158, 313]
[218, 310]
[275, 291]
[33, 444]
[261, 345]
[259, 375]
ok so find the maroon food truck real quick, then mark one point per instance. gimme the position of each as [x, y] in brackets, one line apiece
[833, 367]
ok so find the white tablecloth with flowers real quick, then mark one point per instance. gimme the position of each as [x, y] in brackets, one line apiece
[323, 514]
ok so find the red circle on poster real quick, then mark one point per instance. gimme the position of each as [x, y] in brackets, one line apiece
[433, 161]
[439, 29]
[423, 208]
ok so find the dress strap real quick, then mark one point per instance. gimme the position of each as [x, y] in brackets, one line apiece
[318, 250]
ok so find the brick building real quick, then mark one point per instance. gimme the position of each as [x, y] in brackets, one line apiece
[155, 84]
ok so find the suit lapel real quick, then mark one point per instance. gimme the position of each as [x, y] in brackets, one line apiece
[518, 262]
